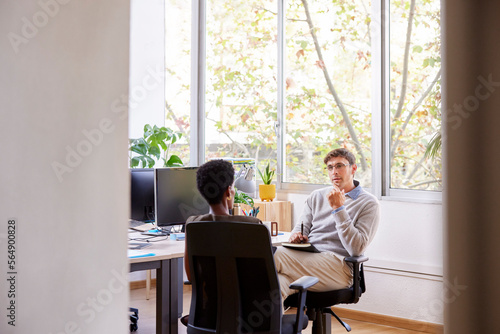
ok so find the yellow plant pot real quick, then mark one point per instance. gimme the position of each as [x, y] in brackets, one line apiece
[267, 192]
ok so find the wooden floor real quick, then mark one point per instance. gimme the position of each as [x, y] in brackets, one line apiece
[147, 318]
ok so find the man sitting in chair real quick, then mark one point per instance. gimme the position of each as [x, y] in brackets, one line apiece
[339, 220]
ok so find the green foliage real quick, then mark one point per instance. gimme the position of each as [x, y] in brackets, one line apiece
[243, 198]
[267, 175]
[433, 149]
[154, 144]
[241, 92]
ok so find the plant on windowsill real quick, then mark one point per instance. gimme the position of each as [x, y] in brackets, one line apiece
[154, 144]
[267, 191]
[241, 198]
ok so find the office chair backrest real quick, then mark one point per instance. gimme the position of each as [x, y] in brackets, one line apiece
[235, 286]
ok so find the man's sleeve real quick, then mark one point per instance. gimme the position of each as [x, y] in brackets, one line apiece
[357, 232]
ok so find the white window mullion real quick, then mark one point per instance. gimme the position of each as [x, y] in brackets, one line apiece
[385, 118]
[378, 88]
[198, 70]
[280, 124]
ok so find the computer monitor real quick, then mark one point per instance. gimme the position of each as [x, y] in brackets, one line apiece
[177, 196]
[142, 194]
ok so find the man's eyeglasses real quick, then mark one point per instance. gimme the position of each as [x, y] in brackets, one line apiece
[338, 166]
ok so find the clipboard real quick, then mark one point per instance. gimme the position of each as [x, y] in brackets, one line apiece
[305, 247]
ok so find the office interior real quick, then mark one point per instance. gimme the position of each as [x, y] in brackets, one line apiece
[430, 262]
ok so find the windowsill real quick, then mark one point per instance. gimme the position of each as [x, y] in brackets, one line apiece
[397, 195]
[405, 269]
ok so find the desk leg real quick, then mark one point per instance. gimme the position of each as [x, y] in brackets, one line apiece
[162, 297]
[148, 283]
[168, 296]
[176, 284]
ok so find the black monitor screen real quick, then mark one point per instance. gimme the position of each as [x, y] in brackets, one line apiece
[142, 194]
[177, 196]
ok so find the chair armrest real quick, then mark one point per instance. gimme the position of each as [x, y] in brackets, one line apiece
[356, 259]
[303, 283]
[357, 275]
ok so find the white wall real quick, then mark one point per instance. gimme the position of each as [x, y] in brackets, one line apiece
[63, 131]
[147, 64]
[404, 273]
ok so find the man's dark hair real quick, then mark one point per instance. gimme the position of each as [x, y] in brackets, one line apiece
[213, 178]
[340, 152]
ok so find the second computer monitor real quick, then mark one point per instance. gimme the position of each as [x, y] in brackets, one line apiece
[142, 194]
[176, 196]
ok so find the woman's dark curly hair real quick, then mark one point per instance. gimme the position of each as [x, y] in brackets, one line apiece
[213, 178]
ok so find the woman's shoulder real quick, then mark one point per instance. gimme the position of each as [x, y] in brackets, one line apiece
[219, 218]
[242, 219]
[206, 217]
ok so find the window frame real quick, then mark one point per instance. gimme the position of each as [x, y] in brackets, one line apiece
[380, 105]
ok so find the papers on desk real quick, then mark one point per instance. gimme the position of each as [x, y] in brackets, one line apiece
[138, 245]
[142, 228]
[133, 253]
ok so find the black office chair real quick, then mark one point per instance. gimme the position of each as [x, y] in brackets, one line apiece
[235, 287]
[319, 304]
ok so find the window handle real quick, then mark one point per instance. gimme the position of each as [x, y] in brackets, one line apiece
[276, 128]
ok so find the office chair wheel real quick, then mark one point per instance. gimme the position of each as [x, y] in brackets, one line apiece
[134, 317]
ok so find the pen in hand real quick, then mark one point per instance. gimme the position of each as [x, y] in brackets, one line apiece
[301, 232]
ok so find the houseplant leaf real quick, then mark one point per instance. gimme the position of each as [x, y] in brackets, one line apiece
[173, 161]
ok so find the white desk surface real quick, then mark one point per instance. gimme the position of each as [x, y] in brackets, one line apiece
[164, 248]
[170, 249]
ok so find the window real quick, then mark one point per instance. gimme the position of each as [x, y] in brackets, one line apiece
[178, 73]
[415, 99]
[288, 80]
[327, 87]
[241, 79]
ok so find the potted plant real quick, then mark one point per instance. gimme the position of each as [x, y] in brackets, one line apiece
[267, 191]
[155, 143]
[241, 198]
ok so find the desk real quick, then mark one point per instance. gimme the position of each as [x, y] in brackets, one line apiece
[168, 262]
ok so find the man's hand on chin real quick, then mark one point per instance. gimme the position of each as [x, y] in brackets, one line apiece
[336, 198]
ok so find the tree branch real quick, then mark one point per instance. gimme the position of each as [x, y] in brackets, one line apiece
[267, 10]
[339, 103]
[404, 82]
[438, 181]
[418, 165]
[235, 143]
[415, 107]
[171, 112]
